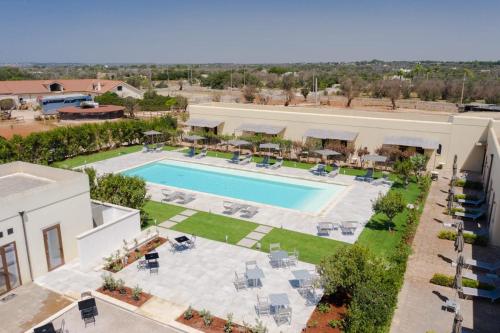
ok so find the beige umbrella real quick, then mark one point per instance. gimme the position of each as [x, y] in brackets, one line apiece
[457, 322]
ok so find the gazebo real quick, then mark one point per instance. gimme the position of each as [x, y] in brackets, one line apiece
[152, 134]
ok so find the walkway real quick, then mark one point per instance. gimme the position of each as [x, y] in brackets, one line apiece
[420, 302]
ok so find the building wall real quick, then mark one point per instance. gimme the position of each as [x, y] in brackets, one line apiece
[493, 186]
[458, 135]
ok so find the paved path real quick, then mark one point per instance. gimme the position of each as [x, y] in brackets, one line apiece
[419, 302]
[184, 215]
[253, 237]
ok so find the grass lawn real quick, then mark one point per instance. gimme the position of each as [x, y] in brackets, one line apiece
[160, 212]
[376, 235]
[216, 227]
[311, 248]
[96, 157]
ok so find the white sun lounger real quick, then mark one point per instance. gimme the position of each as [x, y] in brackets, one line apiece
[278, 164]
[231, 207]
[483, 278]
[492, 267]
[249, 211]
[245, 159]
[184, 198]
[169, 195]
[203, 153]
[492, 295]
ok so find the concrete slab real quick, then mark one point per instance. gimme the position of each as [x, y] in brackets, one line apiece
[263, 229]
[247, 242]
[255, 235]
[167, 224]
[178, 218]
[188, 212]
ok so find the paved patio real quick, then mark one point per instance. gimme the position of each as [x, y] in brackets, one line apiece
[354, 203]
[27, 306]
[420, 302]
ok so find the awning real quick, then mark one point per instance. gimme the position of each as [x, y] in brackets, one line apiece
[411, 142]
[258, 128]
[151, 133]
[274, 146]
[193, 138]
[374, 158]
[196, 122]
[331, 134]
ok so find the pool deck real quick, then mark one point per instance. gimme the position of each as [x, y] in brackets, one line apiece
[353, 204]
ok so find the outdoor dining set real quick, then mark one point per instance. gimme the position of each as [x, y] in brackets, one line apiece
[183, 243]
[150, 262]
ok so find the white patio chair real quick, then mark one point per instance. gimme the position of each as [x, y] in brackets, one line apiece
[185, 198]
[251, 264]
[293, 258]
[240, 282]
[263, 306]
[283, 315]
[274, 247]
[231, 207]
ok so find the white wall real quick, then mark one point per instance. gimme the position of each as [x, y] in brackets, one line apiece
[493, 192]
[119, 224]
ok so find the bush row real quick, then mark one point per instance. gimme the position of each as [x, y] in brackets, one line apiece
[468, 237]
[447, 281]
[69, 141]
[468, 184]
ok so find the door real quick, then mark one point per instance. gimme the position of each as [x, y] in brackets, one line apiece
[53, 247]
[10, 276]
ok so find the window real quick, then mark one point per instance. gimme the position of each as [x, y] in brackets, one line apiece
[10, 231]
[1, 234]
[119, 88]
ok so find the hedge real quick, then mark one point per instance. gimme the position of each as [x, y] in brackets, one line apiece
[469, 184]
[69, 141]
[447, 281]
[468, 237]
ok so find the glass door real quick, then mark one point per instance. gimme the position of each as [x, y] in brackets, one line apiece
[10, 277]
[53, 247]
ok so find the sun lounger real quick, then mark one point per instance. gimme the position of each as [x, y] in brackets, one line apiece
[203, 153]
[169, 195]
[318, 169]
[191, 152]
[231, 208]
[278, 164]
[492, 267]
[145, 148]
[492, 295]
[184, 198]
[159, 147]
[367, 177]
[473, 216]
[265, 162]
[324, 228]
[245, 159]
[334, 172]
[469, 202]
[235, 158]
[249, 211]
[348, 228]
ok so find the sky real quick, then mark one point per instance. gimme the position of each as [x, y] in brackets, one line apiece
[251, 31]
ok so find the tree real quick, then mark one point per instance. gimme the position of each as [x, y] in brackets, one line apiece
[430, 90]
[288, 84]
[390, 205]
[305, 91]
[7, 104]
[419, 163]
[181, 102]
[351, 88]
[131, 106]
[180, 84]
[109, 98]
[392, 90]
[404, 168]
[249, 93]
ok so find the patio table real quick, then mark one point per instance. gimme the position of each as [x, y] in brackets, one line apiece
[278, 301]
[254, 275]
[279, 256]
[47, 328]
[152, 256]
[181, 239]
[86, 304]
[302, 275]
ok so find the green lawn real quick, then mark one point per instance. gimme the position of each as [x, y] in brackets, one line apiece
[311, 248]
[160, 212]
[376, 234]
[216, 227]
[96, 157]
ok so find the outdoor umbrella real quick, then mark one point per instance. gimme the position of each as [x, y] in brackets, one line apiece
[459, 270]
[193, 138]
[457, 282]
[327, 152]
[238, 143]
[152, 134]
[269, 146]
[374, 158]
[460, 260]
[459, 241]
[451, 195]
[457, 322]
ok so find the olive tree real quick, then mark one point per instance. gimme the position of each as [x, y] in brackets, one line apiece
[390, 205]
[351, 88]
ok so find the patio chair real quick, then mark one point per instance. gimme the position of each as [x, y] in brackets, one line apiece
[246, 159]
[318, 169]
[283, 315]
[293, 258]
[142, 264]
[251, 264]
[240, 281]
[263, 306]
[192, 242]
[274, 247]
[159, 147]
[324, 228]
[145, 148]
[191, 152]
[203, 153]
[184, 198]
[249, 211]
[231, 208]
[469, 293]
[86, 294]
[334, 172]
[348, 228]
[278, 164]
[236, 158]
[265, 162]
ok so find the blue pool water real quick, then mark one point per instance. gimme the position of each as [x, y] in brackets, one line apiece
[307, 196]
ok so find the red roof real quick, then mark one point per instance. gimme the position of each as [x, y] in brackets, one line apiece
[43, 86]
[100, 109]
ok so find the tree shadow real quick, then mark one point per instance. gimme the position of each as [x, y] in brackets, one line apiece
[446, 259]
[380, 223]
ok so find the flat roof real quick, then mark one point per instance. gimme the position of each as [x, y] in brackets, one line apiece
[99, 109]
[405, 114]
[20, 182]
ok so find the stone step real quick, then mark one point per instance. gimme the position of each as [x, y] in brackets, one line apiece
[247, 242]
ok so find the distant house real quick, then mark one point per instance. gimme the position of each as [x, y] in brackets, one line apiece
[31, 91]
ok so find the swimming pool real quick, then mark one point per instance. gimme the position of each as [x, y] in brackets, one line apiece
[286, 192]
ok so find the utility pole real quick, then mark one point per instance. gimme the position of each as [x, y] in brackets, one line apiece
[244, 81]
[316, 89]
[463, 88]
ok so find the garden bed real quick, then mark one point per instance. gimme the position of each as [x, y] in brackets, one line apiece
[117, 264]
[126, 295]
[197, 322]
[329, 313]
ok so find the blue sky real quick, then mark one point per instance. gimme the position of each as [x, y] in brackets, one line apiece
[255, 31]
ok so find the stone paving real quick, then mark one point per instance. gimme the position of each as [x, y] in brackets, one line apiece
[353, 204]
[419, 302]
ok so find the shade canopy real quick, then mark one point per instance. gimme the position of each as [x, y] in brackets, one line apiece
[193, 138]
[459, 241]
[197, 122]
[374, 158]
[457, 282]
[238, 143]
[460, 260]
[457, 323]
[327, 152]
[411, 142]
[151, 133]
[324, 134]
[261, 128]
[274, 146]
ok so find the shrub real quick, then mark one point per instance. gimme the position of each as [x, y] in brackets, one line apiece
[207, 317]
[468, 237]
[447, 281]
[108, 283]
[335, 323]
[390, 204]
[312, 324]
[468, 184]
[324, 307]
[259, 327]
[136, 293]
[7, 104]
[188, 314]
[120, 285]
[228, 325]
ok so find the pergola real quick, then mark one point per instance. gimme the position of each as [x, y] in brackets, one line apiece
[325, 134]
[261, 128]
[411, 142]
[152, 134]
